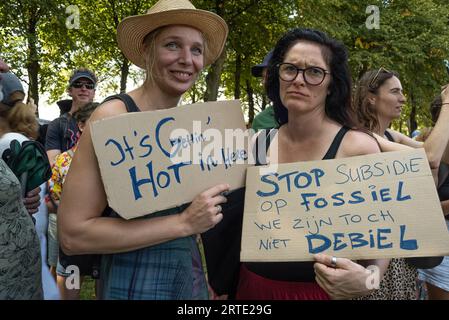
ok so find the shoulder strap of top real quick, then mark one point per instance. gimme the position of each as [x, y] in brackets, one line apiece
[127, 100]
[389, 136]
[261, 158]
[332, 152]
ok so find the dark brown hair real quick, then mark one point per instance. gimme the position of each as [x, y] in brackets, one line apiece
[365, 112]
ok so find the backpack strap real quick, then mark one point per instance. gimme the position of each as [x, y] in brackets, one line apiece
[126, 99]
[64, 128]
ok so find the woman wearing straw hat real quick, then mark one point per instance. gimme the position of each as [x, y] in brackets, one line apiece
[157, 257]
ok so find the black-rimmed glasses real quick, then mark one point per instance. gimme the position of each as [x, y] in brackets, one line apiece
[313, 76]
[373, 82]
[79, 85]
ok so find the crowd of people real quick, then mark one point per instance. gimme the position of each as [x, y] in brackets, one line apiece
[313, 117]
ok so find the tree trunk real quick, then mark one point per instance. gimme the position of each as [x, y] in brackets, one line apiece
[124, 72]
[33, 59]
[264, 102]
[214, 75]
[238, 71]
[249, 92]
[413, 124]
[213, 78]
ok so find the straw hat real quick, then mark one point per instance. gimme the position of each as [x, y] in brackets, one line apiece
[132, 30]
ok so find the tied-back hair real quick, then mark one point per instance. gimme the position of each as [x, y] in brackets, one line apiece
[435, 108]
[20, 117]
[83, 113]
[366, 112]
[335, 54]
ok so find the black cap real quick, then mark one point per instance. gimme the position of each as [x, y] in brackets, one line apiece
[82, 74]
[9, 83]
[257, 70]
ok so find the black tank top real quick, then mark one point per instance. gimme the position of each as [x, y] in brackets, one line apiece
[292, 271]
[126, 99]
[389, 136]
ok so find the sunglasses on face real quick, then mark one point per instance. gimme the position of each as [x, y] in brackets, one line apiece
[79, 85]
[373, 83]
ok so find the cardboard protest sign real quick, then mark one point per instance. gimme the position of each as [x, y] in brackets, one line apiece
[375, 206]
[150, 161]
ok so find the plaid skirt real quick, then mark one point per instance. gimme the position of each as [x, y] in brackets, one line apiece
[168, 271]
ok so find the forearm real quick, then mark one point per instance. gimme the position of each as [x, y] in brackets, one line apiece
[112, 235]
[435, 145]
[388, 146]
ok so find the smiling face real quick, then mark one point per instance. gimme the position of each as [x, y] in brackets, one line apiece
[179, 57]
[82, 95]
[298, 95]
[389, 99]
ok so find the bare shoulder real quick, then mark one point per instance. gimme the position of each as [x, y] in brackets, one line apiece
[108, 109]
[357, 143]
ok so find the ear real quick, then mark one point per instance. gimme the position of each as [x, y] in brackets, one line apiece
[372, 99]
[69, 91]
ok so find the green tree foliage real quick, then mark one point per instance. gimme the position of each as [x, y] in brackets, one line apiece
[24, 27]
[94, 44]
[254, 27]
[411, 38]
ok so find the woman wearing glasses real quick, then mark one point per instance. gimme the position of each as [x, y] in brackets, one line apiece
[310, 86]
[379, 99]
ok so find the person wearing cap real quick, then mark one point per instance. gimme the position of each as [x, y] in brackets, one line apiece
[155, 257]
[17, 121]
[62, 132]
[266, 118]
[20, 256]
[55, 186]
[16, 115]
[9, 122]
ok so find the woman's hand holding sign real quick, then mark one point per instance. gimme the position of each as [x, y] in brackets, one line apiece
[205, 210]
[342, 278]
